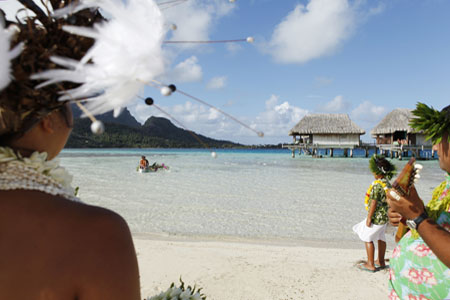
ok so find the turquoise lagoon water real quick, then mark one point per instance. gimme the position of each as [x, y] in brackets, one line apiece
[242, 194]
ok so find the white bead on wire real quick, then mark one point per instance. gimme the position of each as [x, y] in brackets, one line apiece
[165, 91]
[97, 127]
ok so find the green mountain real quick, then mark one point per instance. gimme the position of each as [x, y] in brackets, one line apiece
[125, 118]
[126, 132]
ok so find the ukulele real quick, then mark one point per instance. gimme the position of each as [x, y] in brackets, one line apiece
[402, 184]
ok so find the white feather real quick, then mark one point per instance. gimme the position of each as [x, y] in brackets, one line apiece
[126, 55]
[6, 55]
[72, 8]
[118, 111]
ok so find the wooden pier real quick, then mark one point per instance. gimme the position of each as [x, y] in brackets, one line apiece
[394, 151]
[329, 132]
[400, 151]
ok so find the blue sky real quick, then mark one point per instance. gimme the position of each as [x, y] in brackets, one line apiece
[360, 57]
[363, 58]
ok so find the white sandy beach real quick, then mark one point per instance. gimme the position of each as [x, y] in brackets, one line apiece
[249, 271]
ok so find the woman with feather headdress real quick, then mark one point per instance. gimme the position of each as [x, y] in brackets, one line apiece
[52, 246]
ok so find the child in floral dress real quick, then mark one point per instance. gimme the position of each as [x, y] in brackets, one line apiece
[372, 229]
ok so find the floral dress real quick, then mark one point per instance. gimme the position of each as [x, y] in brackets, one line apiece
[376, 231]
[415, 272]
[378, 193]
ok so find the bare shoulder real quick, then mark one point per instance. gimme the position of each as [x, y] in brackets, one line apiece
[106, 259]
[84, 222]
[101, 223]
[85, 251]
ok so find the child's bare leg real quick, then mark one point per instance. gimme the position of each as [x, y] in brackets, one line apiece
[370, 249]
[381, 251]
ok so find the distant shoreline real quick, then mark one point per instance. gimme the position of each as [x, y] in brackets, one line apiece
[282, 242]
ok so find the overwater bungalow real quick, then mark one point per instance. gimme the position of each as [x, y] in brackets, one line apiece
[394, 135]
[325, 131]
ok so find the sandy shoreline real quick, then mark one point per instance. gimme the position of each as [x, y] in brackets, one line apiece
[247, 271]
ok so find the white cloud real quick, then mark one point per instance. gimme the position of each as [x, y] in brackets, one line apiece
[368, 112]
[217, 83]
[278, 118]
[367, 115]
[312, 31]
[338, 104]
[186, 71]
[275, 121]
[193, 116]
[195, 19]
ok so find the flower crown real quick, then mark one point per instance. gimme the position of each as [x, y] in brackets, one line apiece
[432, 122]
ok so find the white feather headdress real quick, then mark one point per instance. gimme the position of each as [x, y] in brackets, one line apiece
[6, 55]
[126, 55]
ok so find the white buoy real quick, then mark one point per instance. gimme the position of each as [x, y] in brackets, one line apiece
[97, 127]
[250, 39]
[213, 154]
[166, 91]
[418, 167]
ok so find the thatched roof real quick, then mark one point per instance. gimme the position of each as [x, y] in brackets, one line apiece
[396, 120]
[326, 124]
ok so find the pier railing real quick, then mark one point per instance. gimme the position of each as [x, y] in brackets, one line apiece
[392, 150]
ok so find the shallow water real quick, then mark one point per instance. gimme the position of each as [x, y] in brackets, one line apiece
[245, 194]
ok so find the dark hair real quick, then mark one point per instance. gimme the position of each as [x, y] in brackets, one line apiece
[379, 165]
[21, 104]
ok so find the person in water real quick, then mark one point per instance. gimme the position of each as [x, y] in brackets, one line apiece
[143, 163]
[373, 227]
[52, 246]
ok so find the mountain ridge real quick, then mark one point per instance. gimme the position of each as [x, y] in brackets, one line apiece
[126, 132]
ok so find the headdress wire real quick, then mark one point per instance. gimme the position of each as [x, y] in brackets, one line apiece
[116, 67]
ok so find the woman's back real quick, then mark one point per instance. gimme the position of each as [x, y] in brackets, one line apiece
[53, 248]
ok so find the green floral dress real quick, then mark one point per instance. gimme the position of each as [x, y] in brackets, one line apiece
[378, 193]
[376, 231]
[415, 272]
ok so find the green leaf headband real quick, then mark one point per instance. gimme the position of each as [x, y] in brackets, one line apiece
[432, 122]
[379, 165]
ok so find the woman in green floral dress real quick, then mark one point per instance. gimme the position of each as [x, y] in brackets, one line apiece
[372, 229]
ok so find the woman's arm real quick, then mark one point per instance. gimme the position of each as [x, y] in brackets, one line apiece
[373, 206]
[437, 238]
